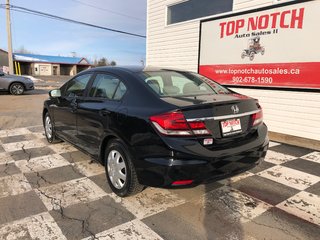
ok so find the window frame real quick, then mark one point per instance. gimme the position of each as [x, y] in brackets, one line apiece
[170, 4]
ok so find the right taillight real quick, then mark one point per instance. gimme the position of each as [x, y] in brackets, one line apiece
[175, 124]
[257, 118]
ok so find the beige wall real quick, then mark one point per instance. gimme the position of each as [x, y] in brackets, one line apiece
[288, 112]
[42, 69]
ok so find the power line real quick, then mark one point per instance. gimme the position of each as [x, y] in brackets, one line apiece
[55, 17]
[108, 10]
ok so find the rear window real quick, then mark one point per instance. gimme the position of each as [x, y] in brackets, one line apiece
[174, 83]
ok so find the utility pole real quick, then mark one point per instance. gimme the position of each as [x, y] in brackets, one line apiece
[10, 54]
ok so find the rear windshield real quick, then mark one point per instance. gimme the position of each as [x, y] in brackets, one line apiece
[174, 83]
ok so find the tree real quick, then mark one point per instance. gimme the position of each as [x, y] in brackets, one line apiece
[23, 50]
[103, 62]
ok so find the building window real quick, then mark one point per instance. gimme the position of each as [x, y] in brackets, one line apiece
[193, 9]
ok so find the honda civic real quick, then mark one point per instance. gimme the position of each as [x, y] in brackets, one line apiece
[157, 127]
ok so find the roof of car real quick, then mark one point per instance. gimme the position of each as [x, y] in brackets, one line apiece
[137, 69]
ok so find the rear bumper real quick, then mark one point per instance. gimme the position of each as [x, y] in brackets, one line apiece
[162, 172]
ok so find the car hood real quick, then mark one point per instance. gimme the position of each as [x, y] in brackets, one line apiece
[203, 99]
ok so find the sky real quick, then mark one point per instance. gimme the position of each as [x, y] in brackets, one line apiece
[51, 37]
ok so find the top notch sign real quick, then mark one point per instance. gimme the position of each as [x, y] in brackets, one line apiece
[285, 19]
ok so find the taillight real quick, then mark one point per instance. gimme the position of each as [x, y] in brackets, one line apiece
[257, 118]
[175, 124]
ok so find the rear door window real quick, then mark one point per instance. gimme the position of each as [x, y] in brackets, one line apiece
[108, 87]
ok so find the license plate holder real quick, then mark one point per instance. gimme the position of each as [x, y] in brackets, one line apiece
[230, 127]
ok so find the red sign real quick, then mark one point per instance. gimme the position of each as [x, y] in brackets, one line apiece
[277, 47]
[291, 75]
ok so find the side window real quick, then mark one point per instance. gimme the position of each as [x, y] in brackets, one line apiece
[107, 86]
[121, 90]
[76, 86]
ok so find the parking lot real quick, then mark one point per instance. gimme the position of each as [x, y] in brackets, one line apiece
[57, 192]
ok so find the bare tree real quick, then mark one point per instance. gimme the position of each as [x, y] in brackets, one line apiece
[23, 50]
[103, 62]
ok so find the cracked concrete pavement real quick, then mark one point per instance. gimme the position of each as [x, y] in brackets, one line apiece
[57, 192]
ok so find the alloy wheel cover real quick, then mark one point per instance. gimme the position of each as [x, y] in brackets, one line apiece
[48, 127]
[17, 89]
[117, 170]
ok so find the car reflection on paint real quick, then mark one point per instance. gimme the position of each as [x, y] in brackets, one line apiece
[157, 127]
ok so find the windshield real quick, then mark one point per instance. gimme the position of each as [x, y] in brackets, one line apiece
[176, 83]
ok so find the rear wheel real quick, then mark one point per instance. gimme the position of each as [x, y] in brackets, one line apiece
[16, 89]
[120, 171]
[49, 129]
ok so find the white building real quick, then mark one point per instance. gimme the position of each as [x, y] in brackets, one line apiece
[176, 29]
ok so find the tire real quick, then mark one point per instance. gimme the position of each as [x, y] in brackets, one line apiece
[243, 54]
[49, 129]
[120, 170]
[16, 89]
[251, 56]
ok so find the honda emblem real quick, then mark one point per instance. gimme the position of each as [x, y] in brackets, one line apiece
[235, 109]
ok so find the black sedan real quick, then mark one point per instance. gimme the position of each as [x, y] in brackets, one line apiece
[157, 127]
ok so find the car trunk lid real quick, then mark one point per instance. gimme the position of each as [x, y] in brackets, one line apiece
[224, 115]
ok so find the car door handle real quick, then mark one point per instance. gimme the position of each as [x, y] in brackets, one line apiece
[74, 105]
[104, 112]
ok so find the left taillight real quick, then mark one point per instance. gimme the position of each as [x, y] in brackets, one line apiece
[175, 124]
[257, 118]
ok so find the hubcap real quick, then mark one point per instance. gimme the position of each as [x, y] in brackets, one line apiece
[116, 169]
[17, 89]
[48, 127]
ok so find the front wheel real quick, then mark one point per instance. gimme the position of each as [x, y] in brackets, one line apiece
[16, 89]
[120, 171]
[49, 129]
[243, 54]
[251, 56]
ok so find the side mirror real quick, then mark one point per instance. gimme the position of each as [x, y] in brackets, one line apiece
[55, 93]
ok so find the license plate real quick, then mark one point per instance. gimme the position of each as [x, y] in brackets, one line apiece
[230, 127]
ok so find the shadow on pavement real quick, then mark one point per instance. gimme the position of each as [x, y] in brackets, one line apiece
[212, 211]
